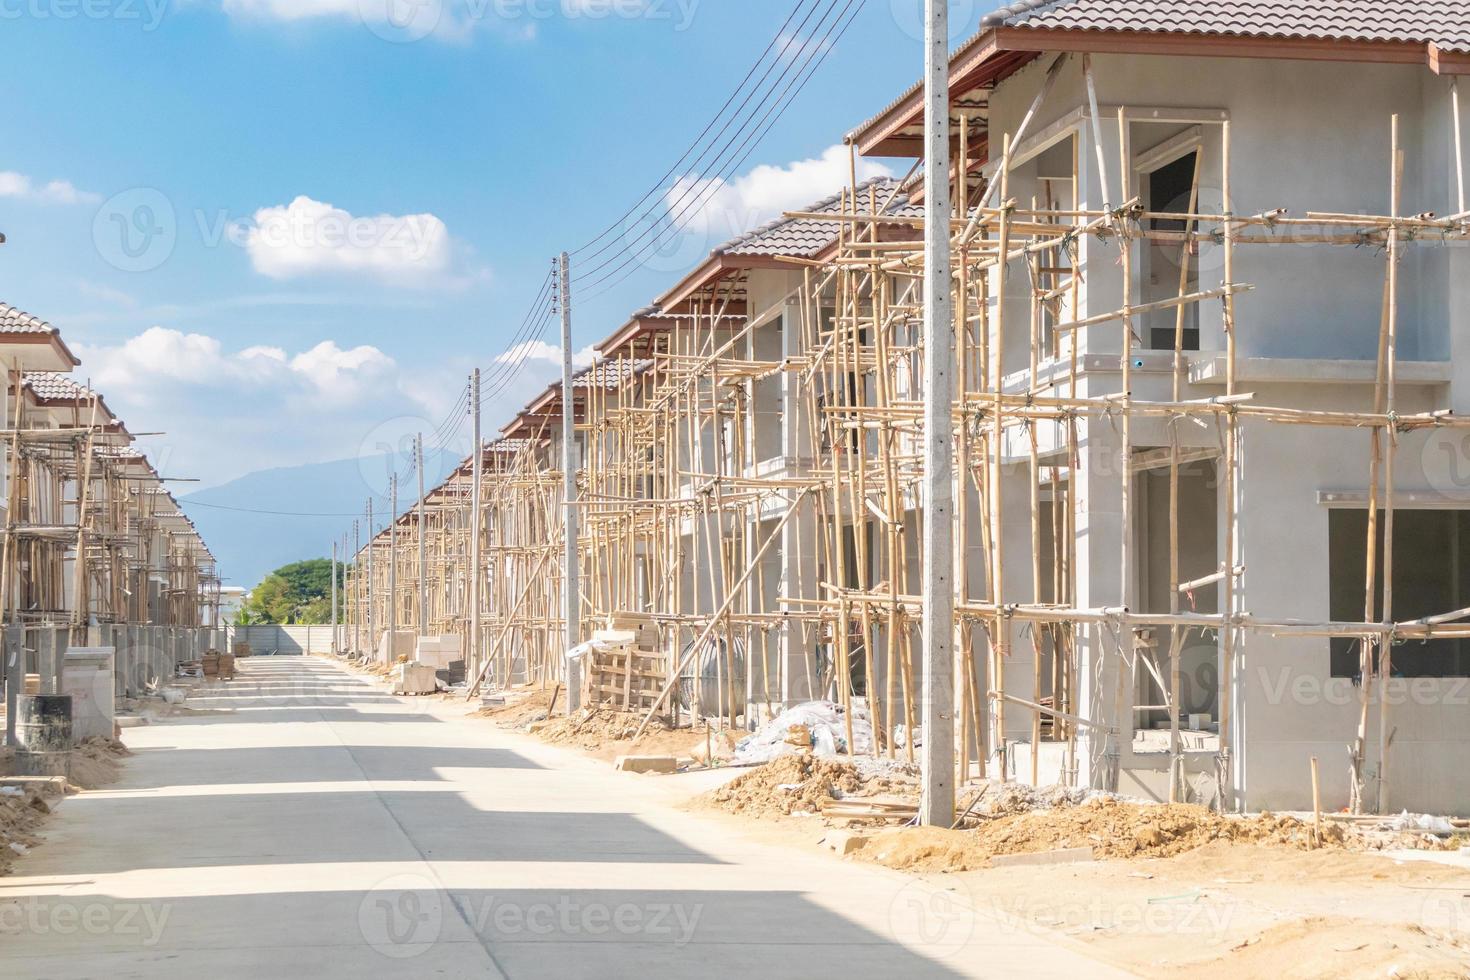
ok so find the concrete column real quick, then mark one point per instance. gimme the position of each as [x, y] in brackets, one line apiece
[15, 676]
[799, 537]
[1099, 542]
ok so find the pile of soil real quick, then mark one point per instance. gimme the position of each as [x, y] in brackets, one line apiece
[20, 816]
[521, 708]
[1331, 947]
[1113, 828]
[800, 783]
[1119, 829]
[607, 732]
[96, 762]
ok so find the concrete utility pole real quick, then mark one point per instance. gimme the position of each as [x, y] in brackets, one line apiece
[423, 554]
[936, 808]
[346, 615]
[476, 463]
[571, 596]
[372, 583]
[334, 597]
[357, 588]
[392, 566]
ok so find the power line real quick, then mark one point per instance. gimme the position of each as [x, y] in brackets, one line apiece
[273, 513]
[701, 188]
[658, 186]
[815, 54]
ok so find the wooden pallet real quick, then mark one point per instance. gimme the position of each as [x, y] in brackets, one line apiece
[626, 677]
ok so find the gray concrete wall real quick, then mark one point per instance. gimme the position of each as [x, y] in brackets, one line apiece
[1304, 136]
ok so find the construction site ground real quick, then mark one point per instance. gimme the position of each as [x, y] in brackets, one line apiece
[1170, 886]
[301, 821]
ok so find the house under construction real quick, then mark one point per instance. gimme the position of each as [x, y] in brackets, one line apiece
[1212, 481]
[96, 551]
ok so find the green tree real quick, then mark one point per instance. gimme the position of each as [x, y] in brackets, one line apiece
[295, 594]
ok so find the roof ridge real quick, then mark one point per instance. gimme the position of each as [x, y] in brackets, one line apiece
[782, 219]
[1015, 9]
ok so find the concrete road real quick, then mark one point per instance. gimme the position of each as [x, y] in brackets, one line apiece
[304, 823]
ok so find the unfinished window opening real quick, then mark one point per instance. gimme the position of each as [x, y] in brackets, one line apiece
[1431, 575]
[1167, 175]
[1198, 559]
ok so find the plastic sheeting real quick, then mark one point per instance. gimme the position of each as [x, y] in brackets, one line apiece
[826, 727]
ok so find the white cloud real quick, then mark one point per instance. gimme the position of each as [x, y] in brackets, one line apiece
[459, 20]
[732, 207]
[540, 351]
[309, 237]
[292, 9]
[226, 412]
[21, 187]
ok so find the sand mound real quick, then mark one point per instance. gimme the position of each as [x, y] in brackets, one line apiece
[20, 816]
[1327, 947]
[931, 849]
[1112, 828]
[96, 762]
[1115, 828]
[590, 727]
[520, 708]
[785, 785]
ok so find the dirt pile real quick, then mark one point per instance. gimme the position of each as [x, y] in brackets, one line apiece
[520, 709]
[608, 732]
[787, 784]
[20, 816]
[96, 762]
[1113, 828]
[1120, 829]
[1329, 947]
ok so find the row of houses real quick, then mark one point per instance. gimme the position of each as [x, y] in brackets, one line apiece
[96, 550]
[1211, 484]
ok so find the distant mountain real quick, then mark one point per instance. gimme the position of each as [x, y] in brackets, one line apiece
[269, 518]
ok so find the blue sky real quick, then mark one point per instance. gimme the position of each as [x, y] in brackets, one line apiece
[500, 138]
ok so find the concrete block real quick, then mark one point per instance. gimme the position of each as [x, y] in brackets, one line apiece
[437, 651]
[844, 842]
[414, 679]
[47, 785]
[647, 763]
[86, 675]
